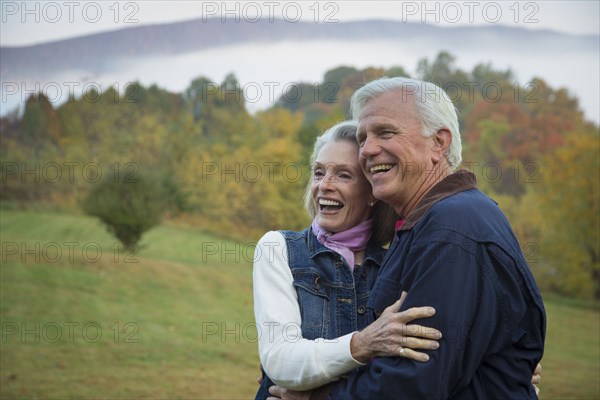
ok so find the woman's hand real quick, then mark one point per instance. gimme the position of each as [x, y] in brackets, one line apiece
[278, 392]
[390, 335]
[536, 378]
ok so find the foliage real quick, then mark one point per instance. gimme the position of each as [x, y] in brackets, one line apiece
[569, 200]
[238, 174]
[128, 207]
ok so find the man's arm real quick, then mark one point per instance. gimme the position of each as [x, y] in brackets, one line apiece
[449, 278]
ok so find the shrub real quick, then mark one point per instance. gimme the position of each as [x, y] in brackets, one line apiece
[128, 207]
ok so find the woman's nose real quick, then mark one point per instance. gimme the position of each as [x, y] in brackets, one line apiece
[327, 183]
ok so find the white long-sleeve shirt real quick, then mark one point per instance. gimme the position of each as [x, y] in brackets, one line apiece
[288, 359]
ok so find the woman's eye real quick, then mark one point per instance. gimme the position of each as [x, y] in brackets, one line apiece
[345, 176]
[318, 173]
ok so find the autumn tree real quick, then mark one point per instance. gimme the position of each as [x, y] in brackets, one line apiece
[568, 202]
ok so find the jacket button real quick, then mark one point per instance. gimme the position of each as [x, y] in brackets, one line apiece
[361, 309]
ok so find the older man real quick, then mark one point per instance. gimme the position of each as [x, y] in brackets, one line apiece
[454, 250]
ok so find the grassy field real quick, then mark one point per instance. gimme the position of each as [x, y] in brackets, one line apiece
[82, 319]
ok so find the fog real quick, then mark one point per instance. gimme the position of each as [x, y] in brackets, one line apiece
[264, 70]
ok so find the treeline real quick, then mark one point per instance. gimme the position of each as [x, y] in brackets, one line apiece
[238, 174]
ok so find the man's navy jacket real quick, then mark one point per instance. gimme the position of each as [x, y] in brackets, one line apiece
[457, 253]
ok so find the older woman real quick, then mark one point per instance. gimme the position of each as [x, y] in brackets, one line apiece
[311, 287]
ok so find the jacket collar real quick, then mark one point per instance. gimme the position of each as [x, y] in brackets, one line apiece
[457, 182]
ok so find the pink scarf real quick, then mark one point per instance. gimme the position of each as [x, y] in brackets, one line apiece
[347, 242]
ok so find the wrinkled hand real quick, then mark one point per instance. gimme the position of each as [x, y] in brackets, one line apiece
[281, 393]
[536, 378]
[390, 335]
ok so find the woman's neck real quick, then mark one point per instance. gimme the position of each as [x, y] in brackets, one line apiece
[359, 257]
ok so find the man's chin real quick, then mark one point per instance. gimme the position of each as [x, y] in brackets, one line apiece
[382, 194]
[389, 195]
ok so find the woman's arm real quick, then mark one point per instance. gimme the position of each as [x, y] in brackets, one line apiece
[288, 359]
[301, 364]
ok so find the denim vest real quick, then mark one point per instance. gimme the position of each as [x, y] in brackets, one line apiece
[332, 298]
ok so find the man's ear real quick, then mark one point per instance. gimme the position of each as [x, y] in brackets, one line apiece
[441, 143]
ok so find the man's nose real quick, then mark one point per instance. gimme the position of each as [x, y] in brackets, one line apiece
[369, 147]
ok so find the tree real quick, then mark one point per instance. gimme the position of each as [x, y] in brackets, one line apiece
[40, 120]
[396, 70]
[569, 201]
[128, 206]
[232, 95]
[334, 79]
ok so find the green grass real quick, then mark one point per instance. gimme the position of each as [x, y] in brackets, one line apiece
[571, 363]
[155, 310]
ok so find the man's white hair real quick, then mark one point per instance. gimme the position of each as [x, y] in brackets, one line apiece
[433, 106]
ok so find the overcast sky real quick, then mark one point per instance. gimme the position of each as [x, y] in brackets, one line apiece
[31, 22]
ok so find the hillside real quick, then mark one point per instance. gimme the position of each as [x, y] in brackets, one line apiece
[142, 327]
[177, 323]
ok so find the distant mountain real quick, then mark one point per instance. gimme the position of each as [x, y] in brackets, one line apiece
[96, 53]
[280, 52]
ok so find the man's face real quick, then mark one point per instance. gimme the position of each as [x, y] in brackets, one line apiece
[393, 154]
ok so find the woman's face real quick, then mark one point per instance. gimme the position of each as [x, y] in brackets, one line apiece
[340, 192]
